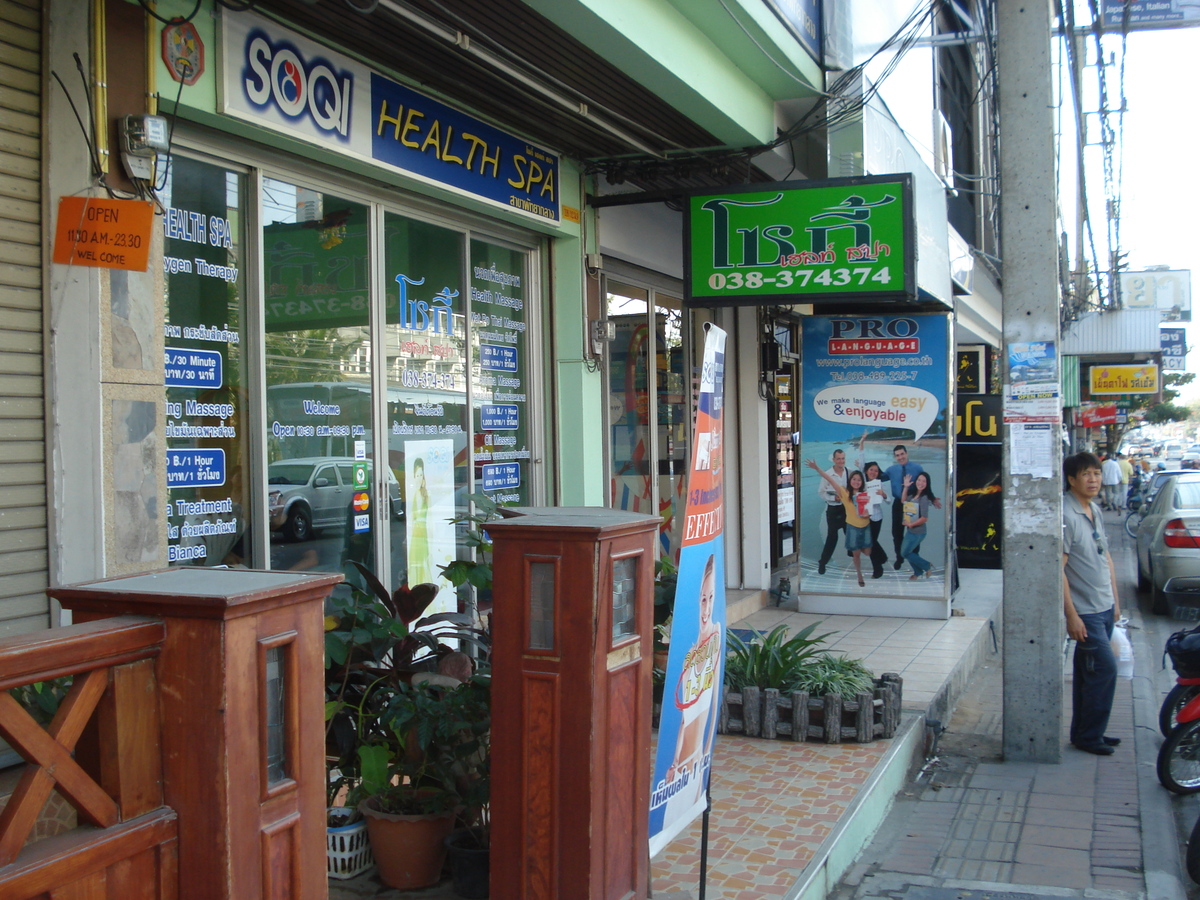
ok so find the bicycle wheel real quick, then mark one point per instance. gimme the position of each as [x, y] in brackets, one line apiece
[1176, 700]
[1193, 853]
[1179, 759]
[1131, 523]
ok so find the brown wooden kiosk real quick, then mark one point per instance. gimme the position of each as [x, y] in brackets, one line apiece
[240, 700]
[571, 703]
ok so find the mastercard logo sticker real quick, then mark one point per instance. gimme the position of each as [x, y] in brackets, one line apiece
[362, 502]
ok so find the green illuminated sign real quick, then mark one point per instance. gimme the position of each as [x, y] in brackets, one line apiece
[802, 242]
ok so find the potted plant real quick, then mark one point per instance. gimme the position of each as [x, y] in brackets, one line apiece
[386, 665]
[417, 771]
[468, 848]
[772, 660]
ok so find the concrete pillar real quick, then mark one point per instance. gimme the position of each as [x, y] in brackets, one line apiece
[1033, 617]
[751, 506]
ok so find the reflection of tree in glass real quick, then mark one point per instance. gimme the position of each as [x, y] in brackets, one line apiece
[318, 354]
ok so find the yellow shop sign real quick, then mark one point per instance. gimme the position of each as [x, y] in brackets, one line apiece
[1124, 379]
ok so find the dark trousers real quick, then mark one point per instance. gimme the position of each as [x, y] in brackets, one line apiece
[835, 521]
[897, 527]
[1094, 681]
[878, 556]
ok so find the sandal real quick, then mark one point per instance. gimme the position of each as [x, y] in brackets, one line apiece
[861, 583]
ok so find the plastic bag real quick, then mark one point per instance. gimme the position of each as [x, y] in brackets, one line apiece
[1123, 651]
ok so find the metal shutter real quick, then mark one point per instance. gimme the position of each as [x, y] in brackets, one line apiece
[23, 559]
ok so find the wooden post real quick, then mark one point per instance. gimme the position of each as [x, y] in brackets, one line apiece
[242, 831]
[770, 717]
[864, 721]
[800, 716]
[752, 710]
[833, 718]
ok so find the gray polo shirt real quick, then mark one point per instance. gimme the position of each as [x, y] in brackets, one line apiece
[1086, 548]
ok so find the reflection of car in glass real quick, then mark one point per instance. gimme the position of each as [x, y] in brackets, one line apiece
[311, 493]
[1168, 538]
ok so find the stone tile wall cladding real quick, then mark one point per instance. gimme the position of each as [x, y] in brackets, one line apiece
[799, 717]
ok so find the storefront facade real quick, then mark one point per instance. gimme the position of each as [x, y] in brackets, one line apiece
[381, 279]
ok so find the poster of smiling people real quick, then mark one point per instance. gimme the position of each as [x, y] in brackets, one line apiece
[875, 510]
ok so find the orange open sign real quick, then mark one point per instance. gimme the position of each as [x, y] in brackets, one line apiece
[98, 231]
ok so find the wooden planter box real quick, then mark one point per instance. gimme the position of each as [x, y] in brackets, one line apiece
[799, 717]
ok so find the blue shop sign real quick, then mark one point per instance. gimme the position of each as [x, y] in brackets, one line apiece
[193, 368]
[194, 468]
[803, 19]
[501, 476]
[276, 78]
[499, 417]
[498, 359]
[412, 132]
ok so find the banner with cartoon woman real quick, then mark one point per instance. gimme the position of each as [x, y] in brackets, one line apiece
[875, 516]
[692, 696]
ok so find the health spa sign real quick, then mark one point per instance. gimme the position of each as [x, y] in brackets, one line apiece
[276, 79]
[802, 242]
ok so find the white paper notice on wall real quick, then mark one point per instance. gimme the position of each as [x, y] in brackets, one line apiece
[1031, 449]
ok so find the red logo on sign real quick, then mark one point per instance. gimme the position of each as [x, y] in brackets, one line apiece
[362, 502]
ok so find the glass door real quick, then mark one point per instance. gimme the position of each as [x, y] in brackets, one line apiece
[649, 409]
[427, 425]
[318, 363]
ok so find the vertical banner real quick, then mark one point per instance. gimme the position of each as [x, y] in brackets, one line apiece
[692, 696]
[873, 412]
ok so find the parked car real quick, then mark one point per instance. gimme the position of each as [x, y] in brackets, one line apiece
[1172, 450]
[1168, 538]
[310, 493]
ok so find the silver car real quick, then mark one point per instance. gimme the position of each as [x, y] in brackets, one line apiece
[315, 492]
[1168, 538]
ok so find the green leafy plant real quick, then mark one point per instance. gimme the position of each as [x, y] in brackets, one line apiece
[830, 674]
[375, 642]
[772, 660]
[477, 571]
[42, 698]
[429, 750]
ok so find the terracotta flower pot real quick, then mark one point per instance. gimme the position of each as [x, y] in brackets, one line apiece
[409, 850]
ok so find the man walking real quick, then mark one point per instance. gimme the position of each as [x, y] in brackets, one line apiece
[835, 512]
[1110, 480]
[1090, 605]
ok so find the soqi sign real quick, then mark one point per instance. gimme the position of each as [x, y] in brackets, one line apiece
[802, 242]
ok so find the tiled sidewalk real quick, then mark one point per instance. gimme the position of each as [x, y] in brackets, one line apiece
[774, 803]
[1072, 825]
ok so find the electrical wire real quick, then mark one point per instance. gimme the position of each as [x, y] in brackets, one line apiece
[149, 8]
[765, 52]
[171, 133]
[87, 137]
[477, 34]
[844, 95]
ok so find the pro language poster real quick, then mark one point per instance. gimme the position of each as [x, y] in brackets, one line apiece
[873, 416]
[695, 664]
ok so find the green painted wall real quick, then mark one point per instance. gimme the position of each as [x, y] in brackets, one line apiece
[652, 42]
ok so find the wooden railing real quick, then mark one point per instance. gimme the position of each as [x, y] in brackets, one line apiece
[101, 752]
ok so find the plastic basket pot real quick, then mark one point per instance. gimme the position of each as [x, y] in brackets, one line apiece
[347, 850]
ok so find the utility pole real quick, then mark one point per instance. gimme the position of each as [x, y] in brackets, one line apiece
[1033, 606]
